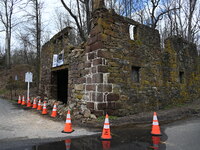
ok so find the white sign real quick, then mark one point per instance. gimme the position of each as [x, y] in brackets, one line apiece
[16, 77]
[55, 58]
[28, 77]
[58, 59]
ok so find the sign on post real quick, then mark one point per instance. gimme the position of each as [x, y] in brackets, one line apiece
[28, 78]
[16, 77]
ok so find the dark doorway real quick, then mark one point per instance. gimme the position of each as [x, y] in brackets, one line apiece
[60, 82]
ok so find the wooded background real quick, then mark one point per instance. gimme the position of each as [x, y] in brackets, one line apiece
[24, 28]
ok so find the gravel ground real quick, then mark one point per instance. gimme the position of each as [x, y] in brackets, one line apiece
[19, 124]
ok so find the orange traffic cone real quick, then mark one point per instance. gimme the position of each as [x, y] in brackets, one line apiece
[156, 141]
[67, 144]
[28, 102]
[34, 103]
[106, 144]
[155, 126]
[106, 130]
[44, 110]
[19, 100]
[23, 101]
[68, 124]
[39, 105]
[54, 112]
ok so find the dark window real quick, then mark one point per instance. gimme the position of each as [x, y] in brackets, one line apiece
[135, 74]
[181, 77]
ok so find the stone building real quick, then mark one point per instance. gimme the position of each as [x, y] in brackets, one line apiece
[113, 73]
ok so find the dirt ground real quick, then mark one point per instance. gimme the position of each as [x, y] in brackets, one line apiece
[18, 123]
[144, 118]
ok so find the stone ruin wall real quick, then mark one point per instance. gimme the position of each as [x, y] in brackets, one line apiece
[100, 71]
[111, 54]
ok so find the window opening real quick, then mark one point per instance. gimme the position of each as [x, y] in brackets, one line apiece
[136, 74]
[181, 77]
[131, 32]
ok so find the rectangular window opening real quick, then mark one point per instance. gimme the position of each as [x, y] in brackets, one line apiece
[132, 32]
[181, 77]
[135, 75]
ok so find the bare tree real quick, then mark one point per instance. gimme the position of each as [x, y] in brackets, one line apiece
[81, 16]
[156, 13]
[74, 16]
[37, 6]
[6, 17]
[61, 19]
[33, 27]
[192, 6]
[24, 42]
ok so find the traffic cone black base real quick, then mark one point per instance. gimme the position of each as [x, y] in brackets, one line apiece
[67, 132]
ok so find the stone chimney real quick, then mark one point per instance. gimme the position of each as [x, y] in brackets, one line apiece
[98, 4]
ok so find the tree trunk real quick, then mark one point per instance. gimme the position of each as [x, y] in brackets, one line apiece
[192, 4]
[38, 39]
[88, 16]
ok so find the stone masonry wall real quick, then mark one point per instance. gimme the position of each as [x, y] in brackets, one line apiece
[111, 55]
[111, 73]
[57, 43]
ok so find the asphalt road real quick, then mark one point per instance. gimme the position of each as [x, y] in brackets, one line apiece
[179, 135]
[183, 135]
[22, 129]
[17, 124]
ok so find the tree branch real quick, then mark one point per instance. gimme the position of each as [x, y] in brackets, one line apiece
[76, 20]
[164, 12]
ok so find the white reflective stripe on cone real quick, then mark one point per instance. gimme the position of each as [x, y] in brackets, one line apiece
[67, 144]
[54, 109]
[155, 118]
[68, 121]
[155, 123]
[106, 120]
[106, 126]
[68, 115]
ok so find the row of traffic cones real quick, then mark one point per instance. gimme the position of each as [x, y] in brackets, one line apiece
[37, 106]
[106, 134]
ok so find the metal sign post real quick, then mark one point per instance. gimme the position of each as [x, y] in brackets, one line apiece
[15, 83]
[28, 78]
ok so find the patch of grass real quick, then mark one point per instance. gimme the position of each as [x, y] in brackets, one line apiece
[3, 91]
[174, 105]
[102, 118]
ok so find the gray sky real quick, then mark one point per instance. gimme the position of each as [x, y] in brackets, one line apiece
[47, 15]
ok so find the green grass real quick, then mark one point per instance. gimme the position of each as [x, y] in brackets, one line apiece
[174, 105]
[3, 91]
